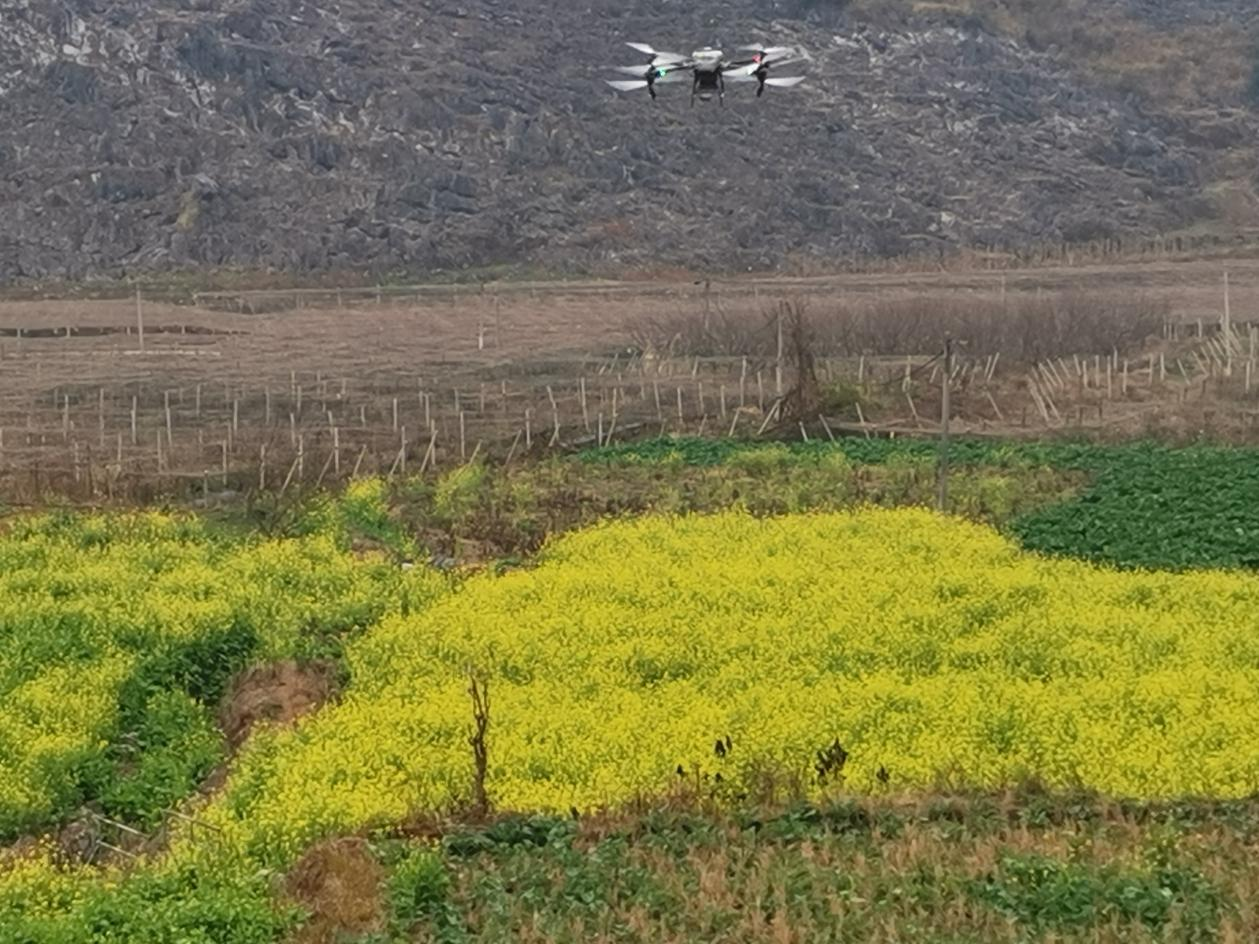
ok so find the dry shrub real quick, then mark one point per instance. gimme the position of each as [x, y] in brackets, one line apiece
[340, 883]
[279, 692]
[1026, 329]
[1182, 66]
[714, 334]
[1021, 328]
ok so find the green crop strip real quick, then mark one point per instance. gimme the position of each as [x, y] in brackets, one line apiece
[1147, 505]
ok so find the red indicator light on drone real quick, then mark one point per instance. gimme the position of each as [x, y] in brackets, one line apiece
[757, 57]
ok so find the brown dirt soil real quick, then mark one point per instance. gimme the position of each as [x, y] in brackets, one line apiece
[340, 883]
[278, 692]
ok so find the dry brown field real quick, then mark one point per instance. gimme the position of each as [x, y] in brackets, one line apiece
[129, 399]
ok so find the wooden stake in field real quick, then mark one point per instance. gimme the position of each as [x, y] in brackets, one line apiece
[778, 357]
[139, 317]
[1226, 322]
[913, 409]
[134, 441]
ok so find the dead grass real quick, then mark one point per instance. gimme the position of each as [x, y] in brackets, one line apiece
[339, 882]
[1025, 328]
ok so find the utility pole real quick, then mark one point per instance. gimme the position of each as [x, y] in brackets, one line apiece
[942, 469]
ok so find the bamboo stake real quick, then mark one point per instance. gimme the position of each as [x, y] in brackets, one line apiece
[865, 428]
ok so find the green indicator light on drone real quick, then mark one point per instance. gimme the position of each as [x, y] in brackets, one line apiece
[660, 73]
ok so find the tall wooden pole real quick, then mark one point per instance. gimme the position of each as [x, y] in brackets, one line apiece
[942, 470]
[139, 318]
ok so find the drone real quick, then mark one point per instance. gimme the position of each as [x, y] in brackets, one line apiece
[708, 70]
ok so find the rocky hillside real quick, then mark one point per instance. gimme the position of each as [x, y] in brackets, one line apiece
[410, 136]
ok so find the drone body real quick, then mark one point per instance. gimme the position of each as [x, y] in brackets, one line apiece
[708, 69]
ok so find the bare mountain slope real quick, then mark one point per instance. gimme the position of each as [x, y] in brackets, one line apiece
[391, 136]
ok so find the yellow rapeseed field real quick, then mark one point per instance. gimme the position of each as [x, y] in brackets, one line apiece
[90, 604]
[933, 650]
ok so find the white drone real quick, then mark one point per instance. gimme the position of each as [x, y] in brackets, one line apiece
[708, 69]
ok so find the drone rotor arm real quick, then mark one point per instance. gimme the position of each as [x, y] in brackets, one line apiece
[676, 73]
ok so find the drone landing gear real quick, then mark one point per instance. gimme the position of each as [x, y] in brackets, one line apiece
[708, 85]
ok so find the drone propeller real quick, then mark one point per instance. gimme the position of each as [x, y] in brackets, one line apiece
[785, 81]
[657, 56]
[769, 53]
[630, 70]
[627, 85]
